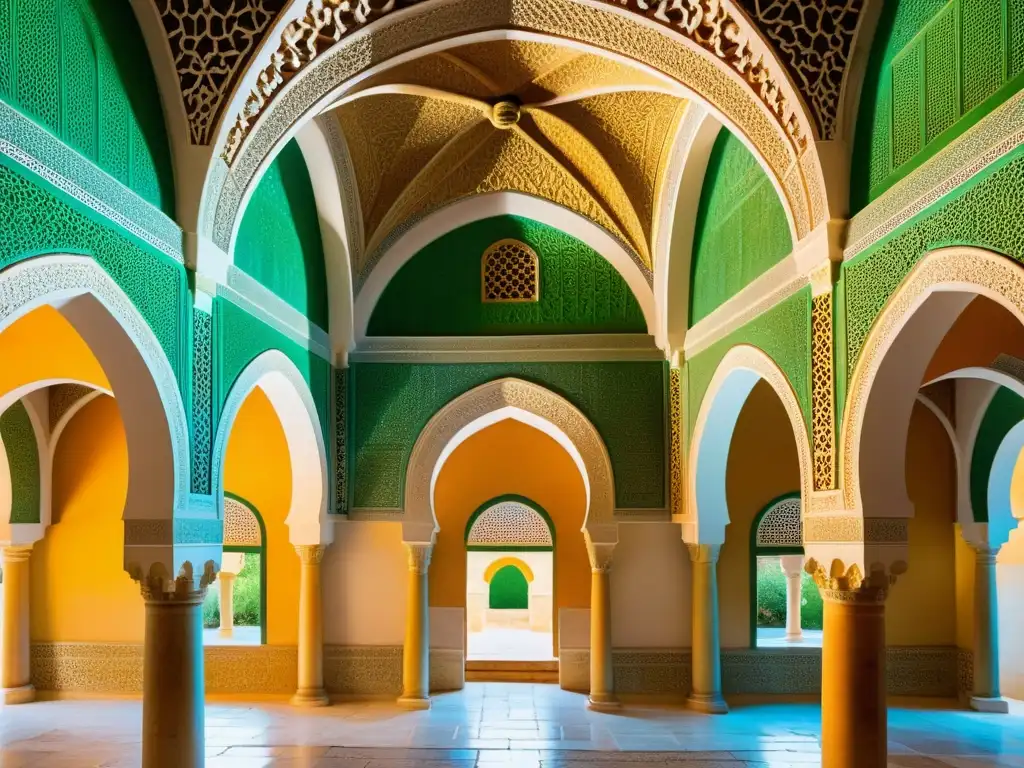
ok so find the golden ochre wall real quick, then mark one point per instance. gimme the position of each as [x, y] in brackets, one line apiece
[983, 331]
[46, 346]
[921, 608]
[763, 465]
[257, 468]
[510, 457]
[80, 591]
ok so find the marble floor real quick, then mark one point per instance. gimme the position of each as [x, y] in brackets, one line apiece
[770, 637]
[526, 726]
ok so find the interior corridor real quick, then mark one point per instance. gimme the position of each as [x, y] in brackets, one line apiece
[528, 726]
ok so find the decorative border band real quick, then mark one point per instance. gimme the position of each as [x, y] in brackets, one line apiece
[998, 134]
[38, 151]
[490, 349]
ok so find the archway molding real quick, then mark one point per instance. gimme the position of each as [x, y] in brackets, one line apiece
[757, 102]
[487, 404]
[276, 375]
[739, 371]
[139, 372]
[893, 360]
[674, 235]
[484, 206]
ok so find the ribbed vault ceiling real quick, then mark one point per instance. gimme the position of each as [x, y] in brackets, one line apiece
[586, 132]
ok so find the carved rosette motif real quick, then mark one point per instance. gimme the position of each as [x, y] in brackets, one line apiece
[676, 462]
[822, 393]
[962, 268]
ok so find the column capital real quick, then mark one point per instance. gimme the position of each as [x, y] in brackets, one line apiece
[986, 555]
[842, 584]
[310, 554]
[704, 553]
[18, 553]
[186, 588]
[792, 565]
[419, 556]
[601, 556]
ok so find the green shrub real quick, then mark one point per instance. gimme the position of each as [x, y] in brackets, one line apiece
[771, 597]
[247, 596]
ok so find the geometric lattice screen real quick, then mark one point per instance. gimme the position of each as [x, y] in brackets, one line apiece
[511, 272]
[509, 524]
[781, 526]
[241, 528]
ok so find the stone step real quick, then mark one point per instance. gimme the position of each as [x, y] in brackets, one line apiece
[512, 671]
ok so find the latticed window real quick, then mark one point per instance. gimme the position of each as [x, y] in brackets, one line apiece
[510, 524]
[511, 272]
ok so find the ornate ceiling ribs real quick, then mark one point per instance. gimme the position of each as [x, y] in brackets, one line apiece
[212, 42]
[588, 133]
[711, 24]
[813, 39]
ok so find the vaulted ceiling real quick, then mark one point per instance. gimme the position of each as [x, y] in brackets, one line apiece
[589, 133]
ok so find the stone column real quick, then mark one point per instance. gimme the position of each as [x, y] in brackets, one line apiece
[853, 715]
[311, 629]
[227, 603]
[706, 685]
[172, 676]
[416, 652]
[602, 677]
[986, 695]
[793, 567]
[15, 669]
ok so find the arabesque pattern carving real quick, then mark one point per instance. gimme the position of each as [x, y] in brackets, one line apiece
[964, 268]
[488, 398]
[202, 400]
[29, 282]
[781, 526]
[822, 393]
[707, 23]
[510, 524]
[511, 272]
[814, 39]
[676, 462]
[241, 527]
[212, 41]
[322, 23]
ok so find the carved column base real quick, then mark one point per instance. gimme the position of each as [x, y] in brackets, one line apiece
[995, 706]
[414, 702]
[23, 694]
[602, 702]
[312, 697]
[709, 704]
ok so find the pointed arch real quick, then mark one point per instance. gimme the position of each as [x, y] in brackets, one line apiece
[742, 367]
[488, 404]
[276, 375]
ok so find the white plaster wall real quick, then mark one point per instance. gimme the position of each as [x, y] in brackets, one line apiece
[365, 578]
[1010, 585]
[650, 587]
[574, 628]
[448, 628]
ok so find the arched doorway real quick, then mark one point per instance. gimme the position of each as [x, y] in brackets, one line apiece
[510, 564]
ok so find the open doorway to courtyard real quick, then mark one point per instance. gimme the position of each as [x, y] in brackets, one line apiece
[510, 578]
[509, 603]
[787, 606]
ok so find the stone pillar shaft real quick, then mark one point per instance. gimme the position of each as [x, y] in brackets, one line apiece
[416, 651]
[986, 696]
[853, 715]
[15, 669]
[311, 629]
[227, 603]
[792, 566]
[602, 685]
[706, 684]
[172, 681]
